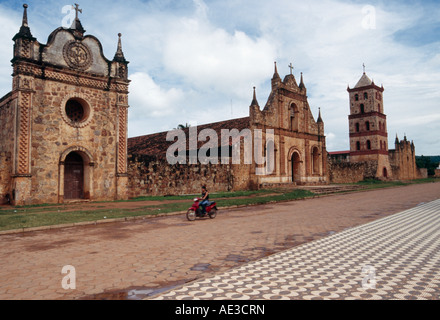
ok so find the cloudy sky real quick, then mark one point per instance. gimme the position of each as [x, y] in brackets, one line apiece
[196, 61]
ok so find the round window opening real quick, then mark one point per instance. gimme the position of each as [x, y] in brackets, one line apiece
[77, 111]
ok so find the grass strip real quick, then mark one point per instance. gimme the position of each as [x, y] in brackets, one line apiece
[49, 215]
[35, 217]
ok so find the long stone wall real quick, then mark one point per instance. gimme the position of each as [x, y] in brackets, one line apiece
[5, 176]
[352, 172]
[346, 172]
[152, 176]
[7, 112]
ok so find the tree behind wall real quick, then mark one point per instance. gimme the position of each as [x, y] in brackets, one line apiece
[430, 163]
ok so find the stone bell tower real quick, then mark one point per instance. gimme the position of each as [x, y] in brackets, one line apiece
[368, 126]
[64, 124]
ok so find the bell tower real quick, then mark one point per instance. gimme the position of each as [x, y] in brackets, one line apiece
[368, 125]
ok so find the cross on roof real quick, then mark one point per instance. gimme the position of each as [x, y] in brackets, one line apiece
[291, 68]
[364, 67]
[77, 9]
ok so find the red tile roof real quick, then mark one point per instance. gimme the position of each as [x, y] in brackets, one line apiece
[156, 144]
[338, 153]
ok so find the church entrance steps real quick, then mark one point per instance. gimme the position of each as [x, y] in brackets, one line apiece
[333, 189]
[316, 189]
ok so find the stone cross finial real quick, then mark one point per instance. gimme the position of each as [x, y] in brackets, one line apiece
[77, 9]
[291, 68]
[364, 67]
[25, 20]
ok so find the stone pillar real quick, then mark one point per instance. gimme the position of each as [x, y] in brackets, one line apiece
[308, 156]
[22, 178]
[282, 157]
[121, 174]
[21, 193]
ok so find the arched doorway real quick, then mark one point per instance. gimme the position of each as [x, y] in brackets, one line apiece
[296, 164]
[385, 173]
[74, 176]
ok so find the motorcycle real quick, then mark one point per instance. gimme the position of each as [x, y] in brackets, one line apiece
[196, 210]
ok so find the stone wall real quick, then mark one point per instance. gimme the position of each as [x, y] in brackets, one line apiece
[345, 172]
[422, 173]
[5, 176]
[7, 107]
[152, 176]
[401, 173]
[403, 162]
[352, 172]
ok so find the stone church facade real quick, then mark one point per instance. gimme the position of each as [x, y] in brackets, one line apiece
[299, 142]
[64, 124]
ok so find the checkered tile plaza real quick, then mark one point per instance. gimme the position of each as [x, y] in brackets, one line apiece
[394, 258]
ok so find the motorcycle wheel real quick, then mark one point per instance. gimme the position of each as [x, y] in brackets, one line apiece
[213, 213]
[191, 215]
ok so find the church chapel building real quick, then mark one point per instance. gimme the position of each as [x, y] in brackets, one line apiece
[64, 124]
[298, 144]
[63, 133]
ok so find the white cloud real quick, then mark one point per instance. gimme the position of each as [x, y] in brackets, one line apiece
[150, 101]
[211, 58]
[190, 59]
[9, 28]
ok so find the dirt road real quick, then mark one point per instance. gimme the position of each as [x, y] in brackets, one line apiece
[130, 260]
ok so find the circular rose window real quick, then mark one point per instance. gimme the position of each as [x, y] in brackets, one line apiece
[77, 112]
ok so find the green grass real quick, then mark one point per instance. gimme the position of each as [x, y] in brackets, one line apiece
[293, 195]
[31, 219]
[218, 195]
[37, 216]
[376, 184]
[381, 184]
[47, 215]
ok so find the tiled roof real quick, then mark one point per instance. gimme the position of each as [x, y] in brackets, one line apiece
[364, 81]
[335, 153]
[156, 144]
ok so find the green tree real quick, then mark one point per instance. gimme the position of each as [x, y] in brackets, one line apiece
[425, 162]
[181, 126]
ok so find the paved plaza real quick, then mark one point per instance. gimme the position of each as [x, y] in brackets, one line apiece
[394, 258]
[304, 249]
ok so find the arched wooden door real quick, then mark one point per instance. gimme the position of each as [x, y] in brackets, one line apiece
[74, 177]
[296, 162]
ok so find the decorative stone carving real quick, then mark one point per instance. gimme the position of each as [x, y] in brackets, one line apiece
[23, 130]
[122, 146]
[77, 55]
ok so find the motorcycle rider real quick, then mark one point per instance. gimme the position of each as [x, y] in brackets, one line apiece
[205, 199]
